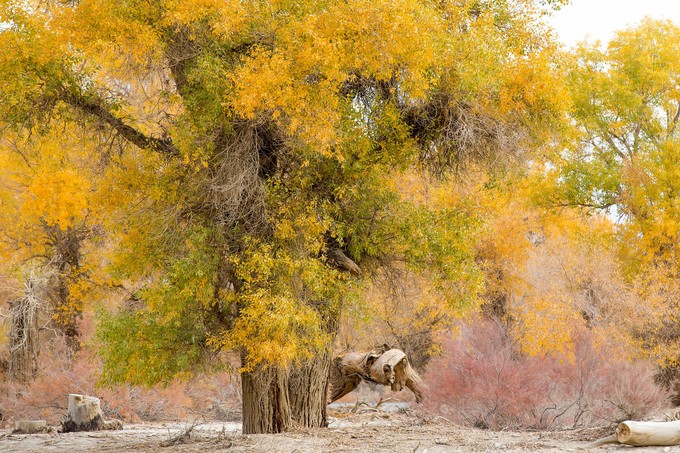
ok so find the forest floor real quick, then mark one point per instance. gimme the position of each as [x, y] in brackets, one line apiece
[368, 431]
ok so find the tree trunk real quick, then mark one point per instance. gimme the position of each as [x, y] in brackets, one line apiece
[266, 405]
[308, 386]
[67, 310]
[23, 335]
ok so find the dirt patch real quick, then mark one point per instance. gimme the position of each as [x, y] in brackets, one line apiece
[374, 431]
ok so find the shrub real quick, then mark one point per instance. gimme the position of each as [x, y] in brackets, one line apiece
[482, 380]
[216, 396]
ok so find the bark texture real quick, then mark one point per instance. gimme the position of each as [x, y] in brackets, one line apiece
[308, 389]
[266, 405]
[384, 366]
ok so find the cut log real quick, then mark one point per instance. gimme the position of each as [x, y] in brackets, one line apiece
[85, 414]
[649, 433]
[384, 366]
[30, 426]
[643, 434]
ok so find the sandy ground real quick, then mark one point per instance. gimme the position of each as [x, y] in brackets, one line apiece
[347, 432]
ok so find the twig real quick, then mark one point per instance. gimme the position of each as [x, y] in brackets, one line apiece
[605, 440]
[181, 437]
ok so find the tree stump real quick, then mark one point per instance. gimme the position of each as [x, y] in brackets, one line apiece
[85, 414]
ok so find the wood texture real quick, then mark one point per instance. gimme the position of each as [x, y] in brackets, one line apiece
[389, 367]
[85, 414]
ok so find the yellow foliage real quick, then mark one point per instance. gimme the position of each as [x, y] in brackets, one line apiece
[547, 325]
[58, 197]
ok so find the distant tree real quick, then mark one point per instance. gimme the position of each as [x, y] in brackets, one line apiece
[47, 217]
[624, 160]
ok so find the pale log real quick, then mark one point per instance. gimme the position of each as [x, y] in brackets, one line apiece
[30, 426]
[383, 366]
[649, 433]
[643, 434]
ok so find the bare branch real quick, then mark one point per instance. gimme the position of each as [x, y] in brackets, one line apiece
[96, 109]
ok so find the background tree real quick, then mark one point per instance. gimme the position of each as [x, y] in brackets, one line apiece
[47, 195]
[624, 161]
[250, 148]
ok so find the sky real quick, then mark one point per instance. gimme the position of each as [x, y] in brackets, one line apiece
[598, 19]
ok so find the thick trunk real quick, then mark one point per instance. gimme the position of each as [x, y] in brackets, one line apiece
[85, 414]
[308, 386]
[266, 405]
[275, 399]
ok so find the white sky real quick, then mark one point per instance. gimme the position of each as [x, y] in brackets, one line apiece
[598, 19]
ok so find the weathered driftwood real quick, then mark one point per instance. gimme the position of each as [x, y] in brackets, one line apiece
[645, 434]
[85, 414]
[30, 426]
[384, 366]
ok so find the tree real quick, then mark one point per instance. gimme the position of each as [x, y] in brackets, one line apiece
[257, 152]
[624, 160]
[47, 211]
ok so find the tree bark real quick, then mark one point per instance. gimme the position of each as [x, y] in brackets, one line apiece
[266, 404]
[308, 387]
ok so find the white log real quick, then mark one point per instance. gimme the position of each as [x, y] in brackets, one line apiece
[648, 433]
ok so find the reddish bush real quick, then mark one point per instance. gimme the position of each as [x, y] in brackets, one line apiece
[482, 380]
[216, 396]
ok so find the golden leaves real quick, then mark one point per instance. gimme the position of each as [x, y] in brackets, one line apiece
[59, 198]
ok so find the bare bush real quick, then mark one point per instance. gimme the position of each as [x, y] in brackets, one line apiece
[482, 380]
[46, 396]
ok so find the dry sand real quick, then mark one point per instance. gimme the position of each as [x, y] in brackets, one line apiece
[364, 432]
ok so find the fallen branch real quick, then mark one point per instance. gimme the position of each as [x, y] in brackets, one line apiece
[182, 437]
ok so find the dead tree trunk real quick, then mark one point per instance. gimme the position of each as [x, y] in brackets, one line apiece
[85, 414]
[23, 335]
[643, 434]
[384, 366]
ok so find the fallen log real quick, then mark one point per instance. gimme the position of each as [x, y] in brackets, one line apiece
[643, 434]
[29, 426]
[389, 367]
[85, 414]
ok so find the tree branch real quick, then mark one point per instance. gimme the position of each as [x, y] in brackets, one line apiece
[134, 136]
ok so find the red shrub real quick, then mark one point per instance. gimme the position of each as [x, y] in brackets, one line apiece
[46, 397]
[482, 380]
